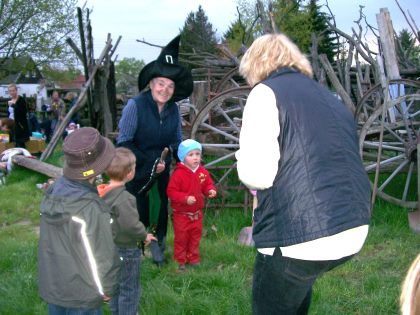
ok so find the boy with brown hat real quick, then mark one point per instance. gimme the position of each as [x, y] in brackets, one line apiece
[77, 260]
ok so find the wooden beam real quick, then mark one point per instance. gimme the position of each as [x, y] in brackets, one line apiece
[336, 83]
[38, 166]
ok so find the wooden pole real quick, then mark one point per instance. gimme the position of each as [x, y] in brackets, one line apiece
[79, 104]
[336, 83]
[38, 166]
[386, 37]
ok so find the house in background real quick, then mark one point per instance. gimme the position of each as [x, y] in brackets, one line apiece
[29, 80]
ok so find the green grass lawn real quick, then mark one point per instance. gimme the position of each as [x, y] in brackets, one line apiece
[369, 284]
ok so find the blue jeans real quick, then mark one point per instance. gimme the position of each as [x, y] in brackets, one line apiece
[128, 299]
[283, 285]
[59, 310]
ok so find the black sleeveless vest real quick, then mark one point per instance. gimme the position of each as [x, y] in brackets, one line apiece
[321, 187]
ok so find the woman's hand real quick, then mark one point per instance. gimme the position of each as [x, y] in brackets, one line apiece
[160, 167]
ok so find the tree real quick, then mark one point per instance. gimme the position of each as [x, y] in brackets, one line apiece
[37, 28]
[56, 74]
[328, 42]
[126, 73]
[236, 36]
[197, 34]
[410, 48]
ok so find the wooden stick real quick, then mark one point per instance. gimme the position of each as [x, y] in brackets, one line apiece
[336, 83]
[38, 166]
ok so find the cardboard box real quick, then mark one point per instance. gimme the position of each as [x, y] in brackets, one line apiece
[4, 146]
[35, 146]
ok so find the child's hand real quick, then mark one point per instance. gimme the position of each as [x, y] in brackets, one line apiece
[106, 298]
[149, 238]
[212, 193]
[191, 200]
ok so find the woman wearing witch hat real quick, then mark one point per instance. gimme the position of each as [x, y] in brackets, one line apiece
[149, 123]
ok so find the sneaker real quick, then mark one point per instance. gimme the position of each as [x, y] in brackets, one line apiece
[181, 269]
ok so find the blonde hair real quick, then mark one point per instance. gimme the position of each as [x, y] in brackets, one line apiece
[12, 85]
[123, 162]
[410, 295]
[270, 52]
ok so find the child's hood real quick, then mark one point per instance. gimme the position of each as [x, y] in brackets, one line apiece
[68, 197]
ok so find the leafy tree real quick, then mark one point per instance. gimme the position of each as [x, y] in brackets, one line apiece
[328, 42]
[197, 34]
[409, 46]
[236, 36]
[64, 74]
[37, 28]
[126, 73]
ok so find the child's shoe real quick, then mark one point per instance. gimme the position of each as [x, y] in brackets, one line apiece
[194, 265]
[181, 268]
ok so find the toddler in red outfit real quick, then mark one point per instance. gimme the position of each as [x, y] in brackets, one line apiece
[189, 184]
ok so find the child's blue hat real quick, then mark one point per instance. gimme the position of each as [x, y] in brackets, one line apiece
[187, 146]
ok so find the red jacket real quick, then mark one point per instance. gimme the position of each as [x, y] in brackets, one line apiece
[184, 182]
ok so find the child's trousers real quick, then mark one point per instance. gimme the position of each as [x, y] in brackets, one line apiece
[188, 228]
[128, 299]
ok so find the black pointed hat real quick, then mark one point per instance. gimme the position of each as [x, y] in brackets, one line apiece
[166, 65]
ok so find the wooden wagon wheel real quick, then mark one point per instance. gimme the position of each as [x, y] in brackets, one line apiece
[217, 127]
[374, 97]
[398, 161]
[227, 79]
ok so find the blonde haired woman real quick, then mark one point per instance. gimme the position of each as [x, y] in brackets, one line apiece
[313, 192]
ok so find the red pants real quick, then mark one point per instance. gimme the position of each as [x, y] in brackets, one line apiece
[187, 236]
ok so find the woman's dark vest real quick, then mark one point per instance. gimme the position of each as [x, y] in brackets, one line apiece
[155, 131]
[321, 187]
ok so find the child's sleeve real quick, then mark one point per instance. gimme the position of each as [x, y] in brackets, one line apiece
[174, 190]
[208, 183]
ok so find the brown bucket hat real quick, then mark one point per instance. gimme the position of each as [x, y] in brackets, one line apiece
[86, 154]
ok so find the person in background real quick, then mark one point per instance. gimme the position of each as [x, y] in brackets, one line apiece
[189, 184]
[33, 122]
[58, 110]
[7, 126]
[149, 123]
[313, 193]
[127, 230]
[71, 100]
[18, 104]
[78, 263]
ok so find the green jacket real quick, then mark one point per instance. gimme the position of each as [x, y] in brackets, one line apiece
[77, 260]
[127, 230]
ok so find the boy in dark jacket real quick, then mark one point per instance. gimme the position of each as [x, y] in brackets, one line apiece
[188, 185]
[127, 230]
[78, 262]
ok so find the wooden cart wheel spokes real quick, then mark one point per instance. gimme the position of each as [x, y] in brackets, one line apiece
[398, 161]
[217, 127]
[374, 97]
[227, 80]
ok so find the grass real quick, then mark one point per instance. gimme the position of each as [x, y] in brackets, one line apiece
[369, 284]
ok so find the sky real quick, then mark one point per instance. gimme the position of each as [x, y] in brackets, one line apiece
[158, 21]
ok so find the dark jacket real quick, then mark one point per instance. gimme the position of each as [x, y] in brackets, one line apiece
[21, 121]
[75, 246]
[127, 230]
[154, 132]
[321, 187]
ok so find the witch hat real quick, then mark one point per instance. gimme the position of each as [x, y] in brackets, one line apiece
[167, 66]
